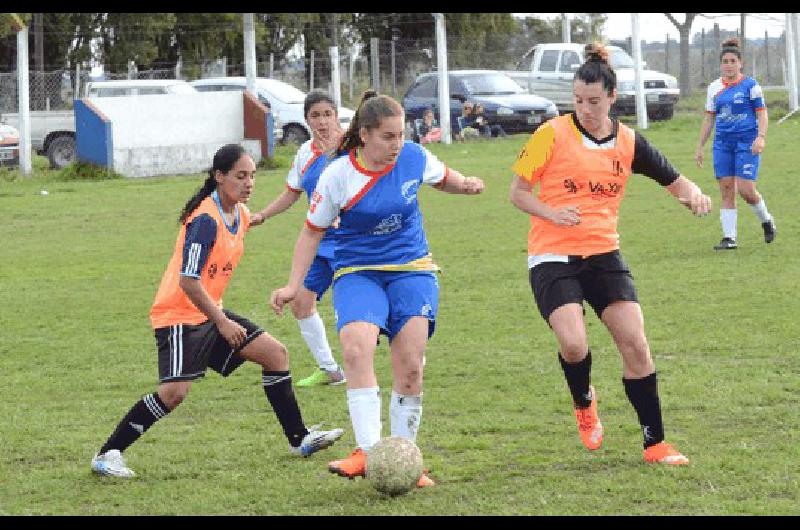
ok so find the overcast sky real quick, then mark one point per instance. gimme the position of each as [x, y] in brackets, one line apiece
[654, 26]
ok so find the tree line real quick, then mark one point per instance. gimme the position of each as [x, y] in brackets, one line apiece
[159, 40]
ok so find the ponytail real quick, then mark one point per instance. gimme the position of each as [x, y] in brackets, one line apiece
[351, 137]
[224, 159]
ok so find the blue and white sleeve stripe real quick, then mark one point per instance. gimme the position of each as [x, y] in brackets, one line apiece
[200, 236]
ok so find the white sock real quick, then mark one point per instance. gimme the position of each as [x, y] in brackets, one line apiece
[406, 414]
[313, 331]
[365, 414]
[760, 209]
[728, 218]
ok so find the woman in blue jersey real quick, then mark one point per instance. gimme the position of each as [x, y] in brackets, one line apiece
[384, 280]
[311, 158]
[735, 103]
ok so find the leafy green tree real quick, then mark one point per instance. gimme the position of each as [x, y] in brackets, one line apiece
[131, 37]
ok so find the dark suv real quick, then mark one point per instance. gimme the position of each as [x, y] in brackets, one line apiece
[504, 101]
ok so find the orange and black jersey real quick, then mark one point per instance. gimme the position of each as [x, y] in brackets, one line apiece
[573, 168]
[208, 249]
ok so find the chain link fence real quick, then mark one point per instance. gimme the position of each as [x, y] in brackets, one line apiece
[395, 64]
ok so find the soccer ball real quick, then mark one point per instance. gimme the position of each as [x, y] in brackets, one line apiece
[394, 465]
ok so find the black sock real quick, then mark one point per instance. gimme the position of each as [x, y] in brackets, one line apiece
[579, 376]
[643, 395]
[278, 388]
[142, 415]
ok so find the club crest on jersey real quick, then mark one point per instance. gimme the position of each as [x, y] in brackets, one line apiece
[388, 225]
[409, 190]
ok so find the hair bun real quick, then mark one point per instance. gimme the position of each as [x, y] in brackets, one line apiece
[733, 42]
[596, 53]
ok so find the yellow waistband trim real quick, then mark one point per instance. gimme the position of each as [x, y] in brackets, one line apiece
[421, 264]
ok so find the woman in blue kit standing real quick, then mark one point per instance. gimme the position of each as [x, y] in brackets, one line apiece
[735, 104]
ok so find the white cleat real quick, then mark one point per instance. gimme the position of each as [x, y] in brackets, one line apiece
[316, 440]
[112, 464]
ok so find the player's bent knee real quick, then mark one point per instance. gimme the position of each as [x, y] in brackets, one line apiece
[573, 351]
[173, 394]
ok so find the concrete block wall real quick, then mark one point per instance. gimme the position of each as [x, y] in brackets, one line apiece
[169, 134]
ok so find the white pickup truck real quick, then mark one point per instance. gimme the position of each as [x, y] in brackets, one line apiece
[52, 134]
[552, 69]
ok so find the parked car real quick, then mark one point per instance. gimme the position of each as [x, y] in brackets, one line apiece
[549, 69]
[503, 100]
[9, 145]
[137, 87]
[285, 100]
[52, 134]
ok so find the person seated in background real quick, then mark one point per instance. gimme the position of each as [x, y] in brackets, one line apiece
[486, 128]
[429, 130]
[467, 122]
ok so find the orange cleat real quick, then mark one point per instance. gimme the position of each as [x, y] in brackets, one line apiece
[589, 426]
[351, 467]
[664, 453]
[425, 480]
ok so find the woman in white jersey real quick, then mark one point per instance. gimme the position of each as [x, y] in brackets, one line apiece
[323, 118]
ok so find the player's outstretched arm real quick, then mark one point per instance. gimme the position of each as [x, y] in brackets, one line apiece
[282, 202]
[304, 251]
[458, 183]
[690, 195]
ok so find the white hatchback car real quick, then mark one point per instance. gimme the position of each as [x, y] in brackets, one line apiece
[138, 87]
[285, 100]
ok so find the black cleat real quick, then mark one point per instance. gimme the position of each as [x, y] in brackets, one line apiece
[769, 230]
[727, 243]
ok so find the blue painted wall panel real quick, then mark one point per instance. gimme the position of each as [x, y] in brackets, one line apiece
[93, 139]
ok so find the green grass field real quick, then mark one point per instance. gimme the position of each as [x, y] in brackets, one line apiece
[80, 267]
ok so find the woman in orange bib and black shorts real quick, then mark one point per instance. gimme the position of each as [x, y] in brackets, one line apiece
[193, 331]
[581, 163]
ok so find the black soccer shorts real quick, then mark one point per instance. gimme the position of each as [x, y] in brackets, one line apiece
[185, 351]
[600, 280]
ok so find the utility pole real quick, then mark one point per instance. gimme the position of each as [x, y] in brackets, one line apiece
[250, 52]
[641, 105]
[23, 89]
[444, 81]
[565, 28]
[336, 84]
[743, 21]
[791, 63]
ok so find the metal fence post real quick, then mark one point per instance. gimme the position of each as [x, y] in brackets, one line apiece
[311, 78]
[394, 74]
[374, 64]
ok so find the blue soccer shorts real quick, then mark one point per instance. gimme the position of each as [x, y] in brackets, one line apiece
[733, 157]
[386, 299]
[319, 276]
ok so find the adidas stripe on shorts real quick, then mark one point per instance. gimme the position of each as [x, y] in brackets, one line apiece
[185, 351]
